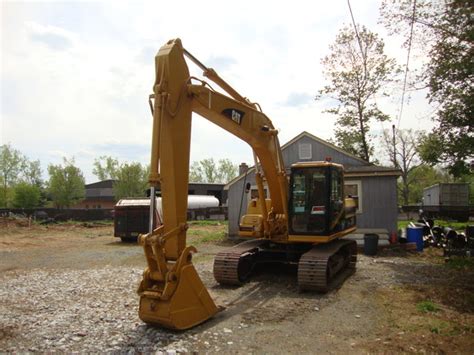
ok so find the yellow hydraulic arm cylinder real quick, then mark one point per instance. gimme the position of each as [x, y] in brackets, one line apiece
[171, 292]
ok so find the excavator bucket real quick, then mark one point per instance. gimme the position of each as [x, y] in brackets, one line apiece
[189, 305]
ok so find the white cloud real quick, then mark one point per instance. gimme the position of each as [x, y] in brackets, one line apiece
[52, 36]
[296, 99]
[58, 154]
[76, 78]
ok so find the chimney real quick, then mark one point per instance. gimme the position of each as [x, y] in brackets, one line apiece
[243, 168]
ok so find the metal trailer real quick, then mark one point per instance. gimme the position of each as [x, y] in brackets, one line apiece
[131, 215]
[447, 200]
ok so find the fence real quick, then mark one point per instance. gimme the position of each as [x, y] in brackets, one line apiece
[217, 213]
[61, 214]
[461, 213]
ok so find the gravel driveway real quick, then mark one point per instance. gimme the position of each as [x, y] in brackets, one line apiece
[72, 288]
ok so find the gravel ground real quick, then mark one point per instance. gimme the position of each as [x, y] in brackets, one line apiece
[77, 293]
[95, 310]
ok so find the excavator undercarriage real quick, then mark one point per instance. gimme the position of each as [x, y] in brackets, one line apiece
[320, 267]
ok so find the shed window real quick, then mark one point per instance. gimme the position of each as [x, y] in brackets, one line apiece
[254, 193]
[304, 151]
[354, 189]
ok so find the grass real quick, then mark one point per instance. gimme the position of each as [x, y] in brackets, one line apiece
[207, 223]
[72, 222]
[427, 307]
[439, 327]
[460, 263]
[201, 236]
[438, 222]
[451, 224]
[448, 328]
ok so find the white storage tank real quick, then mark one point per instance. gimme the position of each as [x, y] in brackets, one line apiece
[202, 201]
[194, 202]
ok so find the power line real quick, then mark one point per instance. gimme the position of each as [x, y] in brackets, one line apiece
[358, 39]
[406, 66]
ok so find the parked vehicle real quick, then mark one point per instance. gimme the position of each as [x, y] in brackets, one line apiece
[131, 215]
[447, 200]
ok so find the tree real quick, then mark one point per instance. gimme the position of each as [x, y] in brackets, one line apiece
[105, 168]
[448, 73]
[32, 172]
[227, 170]
[132, 180]
[403, 155]
[196, 172]
[26, 195]
[32, 175]
[469, 178]
[15, 168]
[11, 165]
[357, 70]
[208, 171]
[424, 176]
[66, 184]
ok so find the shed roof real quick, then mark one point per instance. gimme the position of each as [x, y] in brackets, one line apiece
[367, 169]
[323, 142]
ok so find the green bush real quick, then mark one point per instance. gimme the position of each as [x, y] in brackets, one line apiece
[427, 306]
[26, 195]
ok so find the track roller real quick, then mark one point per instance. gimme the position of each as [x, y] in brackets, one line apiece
[323, 266]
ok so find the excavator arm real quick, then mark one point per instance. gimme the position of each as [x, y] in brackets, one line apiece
[171, 292]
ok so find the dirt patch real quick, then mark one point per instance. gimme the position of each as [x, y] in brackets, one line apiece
[73, 288]
[76, 246]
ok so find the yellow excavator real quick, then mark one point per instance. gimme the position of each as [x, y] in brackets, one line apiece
[301, 222]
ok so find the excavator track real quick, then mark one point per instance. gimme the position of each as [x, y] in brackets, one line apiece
[233, 266]
[325, 266]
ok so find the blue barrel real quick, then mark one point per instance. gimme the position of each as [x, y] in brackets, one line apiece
[415, 235]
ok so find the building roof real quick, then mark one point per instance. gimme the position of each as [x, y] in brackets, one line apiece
[207, 183]
[370, 170]
[367, 169]
[99, 198]
[101, 184]
[323, 142]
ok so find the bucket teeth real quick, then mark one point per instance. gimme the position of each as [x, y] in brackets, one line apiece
[189, 305]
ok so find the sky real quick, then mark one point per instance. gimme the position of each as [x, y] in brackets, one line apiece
[76, 75]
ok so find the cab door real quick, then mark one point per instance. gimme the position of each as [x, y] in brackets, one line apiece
[309, 201]
[336, 196]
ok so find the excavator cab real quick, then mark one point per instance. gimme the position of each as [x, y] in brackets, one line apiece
[316, 201]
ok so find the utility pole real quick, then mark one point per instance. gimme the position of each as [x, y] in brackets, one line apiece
[394, 147]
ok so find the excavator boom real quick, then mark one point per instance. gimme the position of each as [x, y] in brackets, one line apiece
[171, 293]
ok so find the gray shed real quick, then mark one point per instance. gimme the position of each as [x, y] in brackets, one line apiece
[374, 186]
